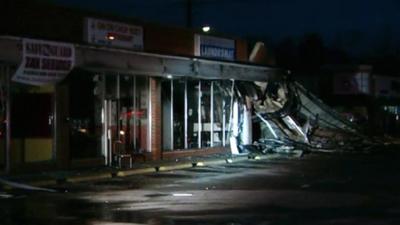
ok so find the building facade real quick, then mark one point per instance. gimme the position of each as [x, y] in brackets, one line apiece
[82, 90]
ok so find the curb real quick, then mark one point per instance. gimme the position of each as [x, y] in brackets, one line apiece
[174, 167]
[43, 183]
[76, 179]
[155, 168]
[125, 173]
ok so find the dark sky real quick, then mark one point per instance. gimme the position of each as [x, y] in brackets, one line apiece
[355, 24]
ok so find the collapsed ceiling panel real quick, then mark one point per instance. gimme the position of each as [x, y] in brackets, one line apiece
[287, 116]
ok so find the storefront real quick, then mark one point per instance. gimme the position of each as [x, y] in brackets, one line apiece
[116, 101]
[106, 98]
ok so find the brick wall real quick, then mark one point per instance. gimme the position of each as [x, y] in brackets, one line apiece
[241, 50]
[155, 117]
[168, 40]
[50, 22]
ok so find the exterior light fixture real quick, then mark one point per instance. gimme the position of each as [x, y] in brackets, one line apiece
[169, 76]
[206, 28]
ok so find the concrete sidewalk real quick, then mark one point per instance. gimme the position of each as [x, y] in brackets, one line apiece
[94, 174]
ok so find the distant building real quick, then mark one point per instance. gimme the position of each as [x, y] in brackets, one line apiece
[365, 98]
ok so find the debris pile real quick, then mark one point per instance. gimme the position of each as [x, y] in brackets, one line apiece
[286, 117]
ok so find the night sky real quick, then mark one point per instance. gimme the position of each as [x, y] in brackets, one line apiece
[357, 26]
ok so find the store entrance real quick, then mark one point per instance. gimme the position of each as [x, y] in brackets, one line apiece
[126, 115]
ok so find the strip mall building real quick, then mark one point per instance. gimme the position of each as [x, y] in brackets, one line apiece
[76, 89]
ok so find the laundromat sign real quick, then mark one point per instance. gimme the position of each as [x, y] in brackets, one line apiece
[44, 62]
[214, 47]
[109, 33]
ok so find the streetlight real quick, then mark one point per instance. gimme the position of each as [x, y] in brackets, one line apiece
[206, 28]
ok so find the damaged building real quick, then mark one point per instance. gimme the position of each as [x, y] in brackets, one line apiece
[114, 89]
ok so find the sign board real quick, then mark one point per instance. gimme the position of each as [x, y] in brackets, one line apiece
[108, 33]
[44, 62]
[214, 47]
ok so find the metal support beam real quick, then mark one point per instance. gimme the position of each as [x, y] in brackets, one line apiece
[135, 110]
[231, 108]
[223, 122]
[118, 104]
[172, 114]
[268, 125]
[199, 125]
[212, 114]
[186, 116]
[104, 118]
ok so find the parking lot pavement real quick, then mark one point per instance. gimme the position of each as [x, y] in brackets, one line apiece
[314, 189]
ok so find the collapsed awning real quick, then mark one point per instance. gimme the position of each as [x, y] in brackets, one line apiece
[312, 107]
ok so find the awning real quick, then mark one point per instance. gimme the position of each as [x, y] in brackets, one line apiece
[100, 59]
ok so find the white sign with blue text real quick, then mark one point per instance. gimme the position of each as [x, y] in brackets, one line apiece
[214, 47]
[44, 62]
[114, 34]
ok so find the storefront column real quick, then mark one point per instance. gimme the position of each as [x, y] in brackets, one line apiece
[155, 118]
[247, 126]
[8, 121]
[62, 151]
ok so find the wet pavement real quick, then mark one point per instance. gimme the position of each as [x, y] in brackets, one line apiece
[314, 189]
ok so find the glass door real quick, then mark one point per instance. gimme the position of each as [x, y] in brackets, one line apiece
[125, 116]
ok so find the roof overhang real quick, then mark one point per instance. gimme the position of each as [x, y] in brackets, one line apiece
[105, 59]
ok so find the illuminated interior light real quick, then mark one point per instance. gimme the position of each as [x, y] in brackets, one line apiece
[121, 132]
[110, 37]
[83, 130]
[182, 194]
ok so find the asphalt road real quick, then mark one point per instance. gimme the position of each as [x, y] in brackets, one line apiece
[315, 189]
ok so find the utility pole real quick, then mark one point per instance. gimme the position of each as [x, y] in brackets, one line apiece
[189, 12]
